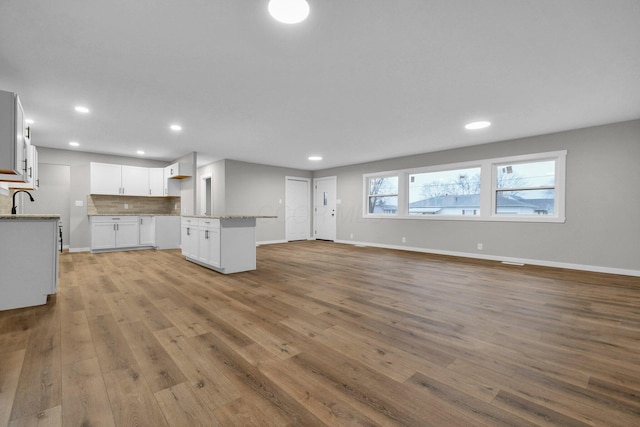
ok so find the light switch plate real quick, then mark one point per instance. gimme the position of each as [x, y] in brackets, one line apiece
[79, 203]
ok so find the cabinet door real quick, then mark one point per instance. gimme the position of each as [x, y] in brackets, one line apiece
[12, 138]
[135, 181]
[203, 245]
[127, 234]
[171, 186]
[31, 177]
[189, 241]
[156, 181]
[105, 179]
[103, 235]
[147, 231]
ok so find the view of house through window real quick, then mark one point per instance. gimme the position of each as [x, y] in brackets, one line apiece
[452, 192]
[383, 195]
[525, 188]
[528, 187]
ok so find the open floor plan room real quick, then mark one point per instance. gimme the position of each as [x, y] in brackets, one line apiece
[323, 334]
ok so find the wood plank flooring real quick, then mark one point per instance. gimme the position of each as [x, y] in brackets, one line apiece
[323, 334]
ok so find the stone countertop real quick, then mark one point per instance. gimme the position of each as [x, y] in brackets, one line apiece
[132, 214]
[32, 217]
[230, 216]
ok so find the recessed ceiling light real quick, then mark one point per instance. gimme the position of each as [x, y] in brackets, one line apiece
[176, 128]
[289, 11]
[74, 144]
[29, 121]
[477, 125]
[81, 109]
[140, 152]
[315, 158]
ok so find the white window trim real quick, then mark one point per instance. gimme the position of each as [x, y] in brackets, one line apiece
[487, 192]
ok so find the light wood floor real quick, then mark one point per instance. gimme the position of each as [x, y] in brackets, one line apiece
[323, 334]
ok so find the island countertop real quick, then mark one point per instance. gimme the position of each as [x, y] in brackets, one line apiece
[30, 217]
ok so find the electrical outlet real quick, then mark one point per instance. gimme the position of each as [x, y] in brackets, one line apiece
[404, 240]
[351, 236]
[126, 205]
[480, 246]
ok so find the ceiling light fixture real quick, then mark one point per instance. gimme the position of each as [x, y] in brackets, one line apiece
[81, 109]
[140, 152]
[29, 121]
[315, 158]
[74, 144]
[477, 125]
[176, 128]
[289, 11]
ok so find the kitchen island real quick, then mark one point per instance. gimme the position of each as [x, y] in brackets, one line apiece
[224, 243]
[28, 259]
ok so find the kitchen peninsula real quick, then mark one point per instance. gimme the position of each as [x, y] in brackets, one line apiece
[224, 243]
[28, 259]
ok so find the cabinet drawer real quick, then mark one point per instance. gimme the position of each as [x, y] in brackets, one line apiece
[209, 222]
[115, 218]
[189, 222]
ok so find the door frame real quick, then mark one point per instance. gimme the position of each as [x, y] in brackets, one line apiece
[335, 203]
[203, 193]
[286, 202]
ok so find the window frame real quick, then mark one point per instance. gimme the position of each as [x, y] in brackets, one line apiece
[488, 189]
[367, 186]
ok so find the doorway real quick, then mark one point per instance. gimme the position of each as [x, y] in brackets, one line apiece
[297, 208]
[324, 212]
[53, 196]
[206, 195]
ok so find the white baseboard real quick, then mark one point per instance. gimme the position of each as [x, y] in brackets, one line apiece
[270, 242]
[79, 249]
[543, 263]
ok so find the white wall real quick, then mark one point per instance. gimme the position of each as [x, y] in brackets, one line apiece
[602, 229]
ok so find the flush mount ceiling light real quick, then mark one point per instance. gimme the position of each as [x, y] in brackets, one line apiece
[81, 109]
[315, 158]
[29, 121]
[140, 152]
[175, 128]
[289, 11]
[477, 125]
[74, 144]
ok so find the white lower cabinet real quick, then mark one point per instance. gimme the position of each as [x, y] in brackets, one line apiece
[209, 242]
[113, 232]
[147, 230]
[189, 237]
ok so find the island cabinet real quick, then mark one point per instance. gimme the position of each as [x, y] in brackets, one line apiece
[226, 244]
[28, 259]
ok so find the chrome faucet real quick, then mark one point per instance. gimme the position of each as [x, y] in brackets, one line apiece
[14, 208]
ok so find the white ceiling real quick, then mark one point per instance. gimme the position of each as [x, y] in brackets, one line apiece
[360, 80]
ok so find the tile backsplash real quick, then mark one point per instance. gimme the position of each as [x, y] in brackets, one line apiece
[5, 205]
[108, 205]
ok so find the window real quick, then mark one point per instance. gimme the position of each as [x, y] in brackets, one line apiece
[525, 188]
[383, 195]
[518, 188]
[449, 192]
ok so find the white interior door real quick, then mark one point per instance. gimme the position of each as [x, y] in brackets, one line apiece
[324, 218]
[297, 208]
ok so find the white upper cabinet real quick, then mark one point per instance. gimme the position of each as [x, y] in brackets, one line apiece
[156, 182]
[32, 182]
[13, 133]
[178, 171]
[172, 186]
[135, 181]
[106, 179]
